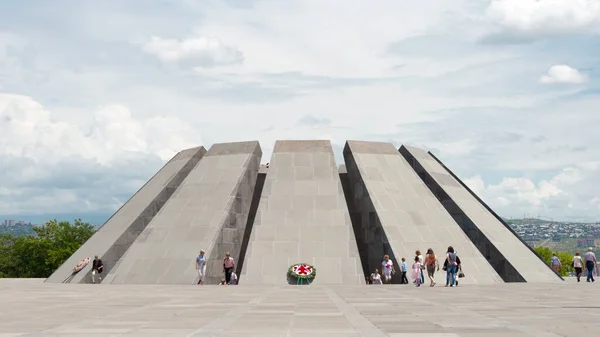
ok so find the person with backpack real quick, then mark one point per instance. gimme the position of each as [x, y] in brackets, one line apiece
[451, 267]
[97, 267]
[577, 263]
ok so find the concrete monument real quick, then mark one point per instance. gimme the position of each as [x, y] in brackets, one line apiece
[300, 208]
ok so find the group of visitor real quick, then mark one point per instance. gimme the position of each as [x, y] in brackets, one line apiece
[430, 263]
[578, 263]
[97, 267]
[587, 262]
[230, 277]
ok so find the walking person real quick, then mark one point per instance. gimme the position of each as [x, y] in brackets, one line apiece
[201, 266]
[404, 269]
[577, 263]
[590, 263]
[228, 265]
[375, 277]
[555, 261]
[431, 263]
[387, 267]
[97, 267]
[459, 272]
[234, 278]
[420, 256]
[417, 269]
[451, 267]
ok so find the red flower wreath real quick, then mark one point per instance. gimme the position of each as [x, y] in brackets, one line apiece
[302, 271]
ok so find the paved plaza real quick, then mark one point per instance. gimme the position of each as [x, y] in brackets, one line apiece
[34, 308]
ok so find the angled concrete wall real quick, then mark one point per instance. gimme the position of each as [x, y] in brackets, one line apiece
[114, 238]
[302, 218]
[506, 252]
[396, 214]
[208, 211]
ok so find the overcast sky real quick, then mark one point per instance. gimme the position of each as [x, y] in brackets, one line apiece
[96, 95]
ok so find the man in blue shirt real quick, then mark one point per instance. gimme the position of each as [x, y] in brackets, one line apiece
[201, 266]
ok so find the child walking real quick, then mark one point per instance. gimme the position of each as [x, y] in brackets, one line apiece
[416, 274]
[404, 270]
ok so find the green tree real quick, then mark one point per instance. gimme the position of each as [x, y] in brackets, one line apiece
[39, 255]
[565, 258]
[544, 252]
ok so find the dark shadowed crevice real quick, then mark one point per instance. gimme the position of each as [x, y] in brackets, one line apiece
[370, 236]
[355, 219]
[260, 183]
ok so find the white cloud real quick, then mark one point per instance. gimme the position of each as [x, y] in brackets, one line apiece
[47, 161]
[544, 18]
[570, 192]
[563, 74]
[198, 51]
[296, 69]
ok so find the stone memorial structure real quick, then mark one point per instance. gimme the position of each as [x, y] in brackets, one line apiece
[510, 256]
[300, 208]
[302, 218]
[396, 214]
[115, 237]
[208, 211]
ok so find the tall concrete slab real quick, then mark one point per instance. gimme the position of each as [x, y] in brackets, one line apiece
[514, 260]
[208, 211]
[113, 239]
[395, 213]
[302, 218]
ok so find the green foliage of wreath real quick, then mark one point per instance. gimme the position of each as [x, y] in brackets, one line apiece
[302, 277]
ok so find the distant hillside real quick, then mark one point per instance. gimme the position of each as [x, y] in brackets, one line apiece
[535, 221]
[27, 229]
[17, 230]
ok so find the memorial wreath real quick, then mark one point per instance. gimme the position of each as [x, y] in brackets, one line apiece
[302, 272]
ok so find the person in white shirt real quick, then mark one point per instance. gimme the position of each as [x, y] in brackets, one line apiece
[420, 256]
[577, 263]
[387, 267]
[590, 263]
[375, 277]
[234, 278]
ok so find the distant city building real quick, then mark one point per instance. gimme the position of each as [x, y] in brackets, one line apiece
[588, 242]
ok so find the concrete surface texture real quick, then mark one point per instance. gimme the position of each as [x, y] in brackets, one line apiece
[396, 214]
[471, 211]
[113, 239]
[302, 218]
[33, 308]
[208, 211]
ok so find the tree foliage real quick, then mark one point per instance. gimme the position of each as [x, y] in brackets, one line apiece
[565, 258]
[41, 254]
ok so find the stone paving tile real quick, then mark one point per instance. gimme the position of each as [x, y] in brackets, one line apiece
[32, 308]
